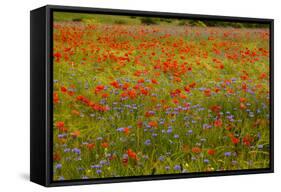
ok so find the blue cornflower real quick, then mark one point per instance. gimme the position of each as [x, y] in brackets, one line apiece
[206, 161]
[58, 166]
[121, 129]
[96, 166]
[76, 150]
[227, 154]
[104, 162]
[61, 135]
[170, 130]
[206, 126]
[147, 142]
[177, 167]
[167, 168]
[80, 169]
[176, 136]
[161, 158]
[259, 135]
[154, 134]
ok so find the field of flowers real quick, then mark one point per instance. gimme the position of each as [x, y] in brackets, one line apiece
[132, 99]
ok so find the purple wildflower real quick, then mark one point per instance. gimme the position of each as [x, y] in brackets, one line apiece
[76, 150]
[227, 154]
[147, 142]
[167, 168]
[177, 167]
[96, 166]
[161, 158]
[206, 161]
[176, 136]
[58, 166]
[170, 130]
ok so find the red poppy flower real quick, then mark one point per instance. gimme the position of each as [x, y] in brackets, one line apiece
[75, 134]
[263, 76]
[105, 95]
[131, 154]
[70, 93]
[75, 112]
[154, 81]
[192, 85]
[104, 145]
[183, 96]
[244, 86]
[126, 130]
[187, 88]
[242, 99]
[207, 92]
[175, 101]
[153, 124]
[234, 140]
[175, 92]
[247, 140]
[55, 98]
[99, 88]
[144, 91]
[56, 156]
[126, 86]
[132, 94]
[242, 106]
[217, 89]
[60, 124]
[57, 56]
[140, 123]
[141, 81]
[63, 89]
[125, 161]
[115, 84]
[90, 146]
[211, 151]
[230, 91]
[196, 150]
[218, 123]
[244, 77]
[216, 108]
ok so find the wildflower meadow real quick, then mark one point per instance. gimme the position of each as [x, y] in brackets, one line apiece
[136, 96]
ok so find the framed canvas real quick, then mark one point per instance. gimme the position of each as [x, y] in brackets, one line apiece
[124, 95]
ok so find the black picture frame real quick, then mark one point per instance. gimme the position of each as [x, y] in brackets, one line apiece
[41, 95]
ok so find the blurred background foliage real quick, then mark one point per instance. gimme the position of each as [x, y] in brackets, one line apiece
[137, 20]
